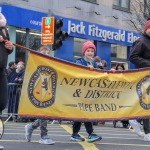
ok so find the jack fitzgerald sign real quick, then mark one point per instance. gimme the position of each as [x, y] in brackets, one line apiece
[58, 89]
[76, 28]
[101, 33]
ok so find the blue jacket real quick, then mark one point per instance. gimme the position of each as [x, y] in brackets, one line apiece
[83, 62]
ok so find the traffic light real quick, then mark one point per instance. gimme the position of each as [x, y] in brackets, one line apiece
[59, 35]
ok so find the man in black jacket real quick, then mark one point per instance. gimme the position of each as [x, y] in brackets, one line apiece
[11, 70]
[140, 57]
[5, 49]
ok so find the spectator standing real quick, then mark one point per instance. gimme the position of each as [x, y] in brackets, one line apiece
[17, 78]
[98, 61]
[42, 123]
[20, 70]
[6, 48]
[102, 64]
[140, 57]
[11, 69]
[120, 67]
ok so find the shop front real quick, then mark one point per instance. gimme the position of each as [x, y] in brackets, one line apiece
[113, 44]
[24, 28]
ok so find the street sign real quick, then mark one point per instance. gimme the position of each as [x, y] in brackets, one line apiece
[47, 30]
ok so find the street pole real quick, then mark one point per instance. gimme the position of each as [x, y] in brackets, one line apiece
[27, 43]
[50, 46]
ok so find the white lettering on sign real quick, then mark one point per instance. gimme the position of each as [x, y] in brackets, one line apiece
[47, 34]
[96, 31]
[38, 23]
[47, 38]
[79, 28]
[104, 34]
[47, 41]
[132, 38]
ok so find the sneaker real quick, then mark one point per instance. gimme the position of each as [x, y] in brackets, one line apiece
[77, 138]
[1, 147]
[47, 141]
[136, 127]
[119, 124]
[93, 137]
[29, 131]
[147, 137]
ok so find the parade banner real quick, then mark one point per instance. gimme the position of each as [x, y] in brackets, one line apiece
[58, 89]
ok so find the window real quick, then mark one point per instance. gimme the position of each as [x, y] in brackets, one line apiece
[118, 51]
[78, 47]
[20, 39]
[119, 55]
[34, 39]
[147, 9]
[123, 5]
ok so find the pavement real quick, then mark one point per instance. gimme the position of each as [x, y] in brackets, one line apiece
[113, 138]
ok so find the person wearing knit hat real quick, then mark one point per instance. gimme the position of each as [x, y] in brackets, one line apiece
[88, 51]
[5, 49]
[140, 57]
[147, 25]
[87, 45]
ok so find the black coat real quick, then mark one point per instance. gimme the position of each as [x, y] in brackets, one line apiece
[3, 51]
[140, 54]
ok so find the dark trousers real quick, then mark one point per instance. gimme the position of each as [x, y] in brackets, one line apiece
[3, 89]
[146, 125]
[77, 126]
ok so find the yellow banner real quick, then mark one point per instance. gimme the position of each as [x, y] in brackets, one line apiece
[59, 89]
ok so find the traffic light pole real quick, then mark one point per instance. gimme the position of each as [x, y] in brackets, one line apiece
[27, 44]
[59, 34]
[50, 46]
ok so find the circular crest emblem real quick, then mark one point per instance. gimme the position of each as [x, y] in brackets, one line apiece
[143, 91]
[42, 87]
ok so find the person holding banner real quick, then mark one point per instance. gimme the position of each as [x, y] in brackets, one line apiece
[6, 48]
[140, 57]
[123, 123]
[39, 122]
[88, 51]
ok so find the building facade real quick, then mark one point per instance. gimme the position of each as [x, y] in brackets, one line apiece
[103, 22]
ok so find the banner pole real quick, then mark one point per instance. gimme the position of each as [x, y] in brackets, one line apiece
[20, 46]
